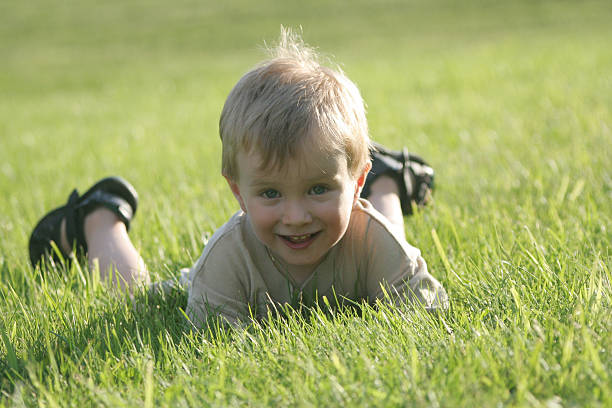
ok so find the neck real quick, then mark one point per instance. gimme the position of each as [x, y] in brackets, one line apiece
[300, 273]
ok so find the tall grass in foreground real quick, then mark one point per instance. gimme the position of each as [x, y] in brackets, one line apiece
[511, 103]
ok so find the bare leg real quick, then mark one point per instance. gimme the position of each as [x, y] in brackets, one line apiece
[384, 196]
[110, 247]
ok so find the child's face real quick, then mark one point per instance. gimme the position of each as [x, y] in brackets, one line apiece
[301, 210]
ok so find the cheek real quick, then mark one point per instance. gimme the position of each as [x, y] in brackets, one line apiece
[262, 217]
[338, 213]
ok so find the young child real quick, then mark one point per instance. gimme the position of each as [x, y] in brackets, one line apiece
[298, 159]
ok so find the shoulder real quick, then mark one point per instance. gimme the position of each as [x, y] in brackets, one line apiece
[385, 255]
[225, 243]
[392, 263]
[364, 213]
[371, 227]
[218, 281]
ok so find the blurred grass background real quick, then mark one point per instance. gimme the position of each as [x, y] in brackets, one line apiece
[135, 88]
[510, 102]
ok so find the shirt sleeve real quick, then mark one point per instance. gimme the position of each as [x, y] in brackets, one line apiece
[217, 289]
[397, 269]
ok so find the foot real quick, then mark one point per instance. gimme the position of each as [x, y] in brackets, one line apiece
[98, 217]
[65, 225]
[413, 176]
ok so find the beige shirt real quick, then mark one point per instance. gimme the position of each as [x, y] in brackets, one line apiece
[238, 278]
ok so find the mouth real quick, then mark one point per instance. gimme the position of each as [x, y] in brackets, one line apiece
[299, 241]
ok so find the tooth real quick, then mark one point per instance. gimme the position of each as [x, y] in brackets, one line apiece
[299, 238]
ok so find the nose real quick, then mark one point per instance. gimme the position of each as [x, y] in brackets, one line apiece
[295, 212]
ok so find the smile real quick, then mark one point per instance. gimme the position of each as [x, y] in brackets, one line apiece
[299, 241]
[298, 238]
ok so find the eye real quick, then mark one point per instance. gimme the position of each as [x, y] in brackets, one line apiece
[318, 190]
[270, 194]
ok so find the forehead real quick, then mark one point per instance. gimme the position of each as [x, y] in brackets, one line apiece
[310, 161]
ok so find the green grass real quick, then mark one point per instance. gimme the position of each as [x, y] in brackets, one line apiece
[511, 103]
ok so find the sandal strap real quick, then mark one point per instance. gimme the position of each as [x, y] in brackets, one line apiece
[422, 176]
[116, 204]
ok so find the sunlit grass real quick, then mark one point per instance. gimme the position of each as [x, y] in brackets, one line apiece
[511, 103]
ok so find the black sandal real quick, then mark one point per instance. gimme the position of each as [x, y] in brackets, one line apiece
[414, 177]
[114, 193]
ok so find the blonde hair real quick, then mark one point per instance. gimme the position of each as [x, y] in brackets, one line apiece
[283, 102]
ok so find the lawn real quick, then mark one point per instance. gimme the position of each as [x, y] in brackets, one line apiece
[510, 101]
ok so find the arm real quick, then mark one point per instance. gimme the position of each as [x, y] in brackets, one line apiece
[396, 267]
[218, 284]
[215, 291]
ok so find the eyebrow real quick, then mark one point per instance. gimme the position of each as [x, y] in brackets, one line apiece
[265, 182]
[258, 183]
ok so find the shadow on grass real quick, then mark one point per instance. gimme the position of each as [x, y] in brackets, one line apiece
[118, 331]
[115, 327]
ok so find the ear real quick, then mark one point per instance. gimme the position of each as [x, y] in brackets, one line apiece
[236, 191]
[361, 180]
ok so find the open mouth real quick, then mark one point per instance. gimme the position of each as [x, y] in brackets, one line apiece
[299, 241]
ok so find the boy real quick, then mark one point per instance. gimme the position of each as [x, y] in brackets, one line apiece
[297, 157]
